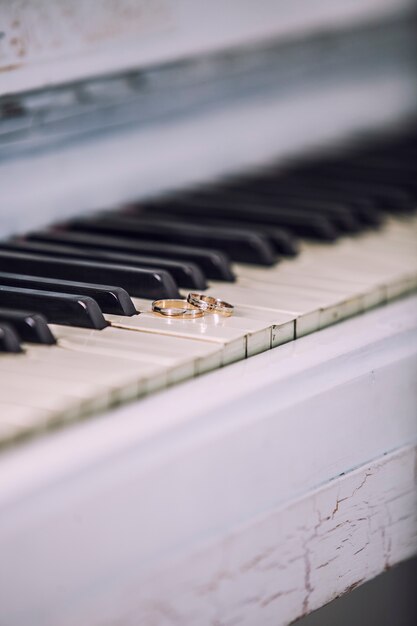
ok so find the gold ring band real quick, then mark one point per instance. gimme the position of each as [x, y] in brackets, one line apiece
[180, 309]
[209, 304]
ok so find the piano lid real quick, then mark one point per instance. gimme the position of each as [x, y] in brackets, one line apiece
[48, 42]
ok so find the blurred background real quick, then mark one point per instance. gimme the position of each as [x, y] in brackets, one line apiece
[107, 102]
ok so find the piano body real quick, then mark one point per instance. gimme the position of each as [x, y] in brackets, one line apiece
[222, 470]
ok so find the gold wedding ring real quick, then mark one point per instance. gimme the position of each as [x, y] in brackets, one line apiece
[209, 304]
[179, 309]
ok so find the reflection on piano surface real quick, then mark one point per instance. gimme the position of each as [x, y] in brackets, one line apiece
[221, 470]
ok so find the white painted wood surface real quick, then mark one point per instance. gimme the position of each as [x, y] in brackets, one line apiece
[209, 501]
[45, 42]
[288, 562]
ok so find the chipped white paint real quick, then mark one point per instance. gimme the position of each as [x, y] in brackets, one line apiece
[230, 508]
[44, 42]
[292, 560]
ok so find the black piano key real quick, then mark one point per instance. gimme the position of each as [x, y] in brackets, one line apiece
[394, 181]
[30, 327]
[387, 197]
[395, 166]
[141, 283]
[283, 242]
[59, 308]
[301, 223]
[387, 171]
[239, 245]
[338, 215]
[110, 299]
[379, 199]
[273, 205]
[9, 341]
[364, 209]
[400, 144]
[343, 216]
[213, 263]
[280, 240]
[186, 274]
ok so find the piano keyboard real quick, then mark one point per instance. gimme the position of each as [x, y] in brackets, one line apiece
[293, 250]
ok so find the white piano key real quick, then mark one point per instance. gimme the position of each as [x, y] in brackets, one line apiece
[380, 277]
[127, 379]
[17, 420]
[359, 278]
[340, 298]
[105, 389]
[370, 289]
[208, 330]
[282, 325]
[385, 261]
[120, 376]
[156, 378]
[18, 414]
[393, 262]
[347, 285]
[183, 358]
[399, 287]
[293, 276]
[170, 350]
[64, 405]
[95, 397]
[8, 431]
[258, 327]
[394, 251]
[374, 267]
[64, 388]
[383, 250]
[383, 254]
[334, 305]
[306, 312]
[401, 227]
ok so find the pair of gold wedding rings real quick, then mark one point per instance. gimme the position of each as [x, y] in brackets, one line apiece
[195, 305]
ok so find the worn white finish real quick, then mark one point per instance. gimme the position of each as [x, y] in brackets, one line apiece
[185, 507]
[45, 42]
[287, 562]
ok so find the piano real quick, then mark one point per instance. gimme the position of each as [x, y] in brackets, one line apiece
[243, 469]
